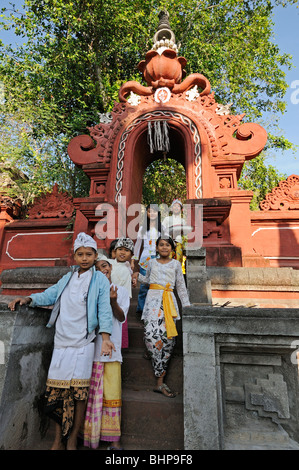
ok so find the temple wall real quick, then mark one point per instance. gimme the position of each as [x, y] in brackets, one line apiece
[240, 378]
[275, 236]
[255, 287]
[27, 346]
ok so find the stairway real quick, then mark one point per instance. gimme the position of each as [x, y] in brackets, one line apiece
[150, 421]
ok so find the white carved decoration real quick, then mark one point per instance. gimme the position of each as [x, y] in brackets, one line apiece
[162, 95]
[134, 99]
[105, 118]
[224, 109]
[193, 94]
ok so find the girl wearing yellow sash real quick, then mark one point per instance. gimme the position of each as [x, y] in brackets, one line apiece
[161, 311]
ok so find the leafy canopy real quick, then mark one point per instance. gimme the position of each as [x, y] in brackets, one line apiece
[77, 53]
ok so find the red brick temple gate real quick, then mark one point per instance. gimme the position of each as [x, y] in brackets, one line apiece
[211, 144]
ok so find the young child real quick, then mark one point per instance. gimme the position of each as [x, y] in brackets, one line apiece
[81, 302]
[103, 415]
[121, 274]
[112, 249]
[161, 310]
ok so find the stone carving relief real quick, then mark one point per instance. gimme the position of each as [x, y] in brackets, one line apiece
[284, 197]
[192, 94]
[97, 146]
[223, 109]
[13, 207]
[269, 397]
[134, 99]
[225, 183]
[52, 205]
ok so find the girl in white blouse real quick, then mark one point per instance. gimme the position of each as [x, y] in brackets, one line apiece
[161, 310]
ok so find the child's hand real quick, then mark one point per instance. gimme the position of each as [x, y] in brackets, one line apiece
[107, 348]
[20, 300]
[134, 279]
[113, 293]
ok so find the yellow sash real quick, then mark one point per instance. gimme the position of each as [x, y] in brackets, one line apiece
[169, 309]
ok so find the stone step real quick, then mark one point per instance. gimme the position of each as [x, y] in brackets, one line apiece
[151, 421]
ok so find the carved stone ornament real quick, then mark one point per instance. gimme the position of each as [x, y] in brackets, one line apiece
[162, 95]
[134, 99]
[105, 118]
[224, 109]
[193, 94]
[269, 397]
[284, 197]
[162, 68]
[52, 205]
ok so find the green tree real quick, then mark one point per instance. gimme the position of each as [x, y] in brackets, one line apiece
[260, 178]
[163, 181]
[77, 53]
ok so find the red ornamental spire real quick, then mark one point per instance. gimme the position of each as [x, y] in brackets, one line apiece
[162, 68]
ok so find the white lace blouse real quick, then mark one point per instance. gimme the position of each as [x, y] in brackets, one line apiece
[163, 274]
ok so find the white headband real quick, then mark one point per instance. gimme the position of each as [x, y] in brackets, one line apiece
[86, 241]
[176, 201]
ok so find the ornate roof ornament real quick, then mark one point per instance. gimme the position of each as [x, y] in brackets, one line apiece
[162, 68]
[164, 37]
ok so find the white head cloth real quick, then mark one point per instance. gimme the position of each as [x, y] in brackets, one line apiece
[176, 201]
[102, 257]
[86, 241]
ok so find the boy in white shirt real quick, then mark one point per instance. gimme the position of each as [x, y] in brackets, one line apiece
[81, 302]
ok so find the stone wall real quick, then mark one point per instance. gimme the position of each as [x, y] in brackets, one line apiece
[27, 347]
[254, 279]
[240, 378]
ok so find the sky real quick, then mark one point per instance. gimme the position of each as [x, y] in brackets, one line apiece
[286, 29]
[286, 21]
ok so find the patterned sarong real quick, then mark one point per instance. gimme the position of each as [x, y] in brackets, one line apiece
[60, 405]
[103, 414]
[159, 346]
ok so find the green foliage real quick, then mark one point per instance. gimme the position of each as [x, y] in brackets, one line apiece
[260, 178]
[164, 181]
[77, 53]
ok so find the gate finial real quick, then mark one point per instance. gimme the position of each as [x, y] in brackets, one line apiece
[164, 37]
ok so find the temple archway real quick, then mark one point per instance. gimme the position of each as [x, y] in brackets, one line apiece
[134, 154]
